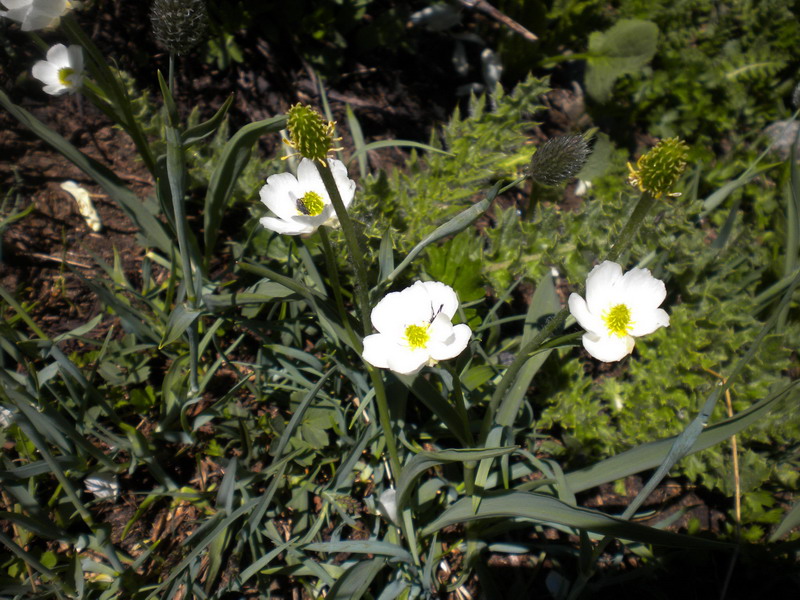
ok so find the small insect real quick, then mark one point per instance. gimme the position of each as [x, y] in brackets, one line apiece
[301, 207]
[435, 314]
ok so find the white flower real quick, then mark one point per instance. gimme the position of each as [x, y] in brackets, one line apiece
[302, 203]
[387, 502]
[415, 329]
[36, 14]
[618, 308]
[102, 485]
[62, 72]
[6, 417]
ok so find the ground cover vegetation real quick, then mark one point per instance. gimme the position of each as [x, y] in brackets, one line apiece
[374, 299]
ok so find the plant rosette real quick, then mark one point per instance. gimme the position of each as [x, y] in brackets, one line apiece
[35, 14]
[617, 309]
[415, 329]
[301, 204]
[62, 72]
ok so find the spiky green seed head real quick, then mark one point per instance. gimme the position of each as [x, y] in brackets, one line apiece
[658, 170]
[310, 134]
[559, 159]
[179, 25]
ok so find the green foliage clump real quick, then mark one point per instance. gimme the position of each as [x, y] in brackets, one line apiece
[717, 72]
[486, 145]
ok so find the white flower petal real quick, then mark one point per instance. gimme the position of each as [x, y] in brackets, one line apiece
[608, 348]
[17, 4]
[600, 286]
[286, 227]
[579, 309]
[442, 296]
[55, 90]
[75, 53]
[407, 361]
[280, 194]
[388, 503]
[377, 349]
[454, 346]
[639, 288]
[102, 485]
[345, 185]
[647, 321]
[6, 417]
[58, 55]
[388, 316]
[46, 73]
[53, 7]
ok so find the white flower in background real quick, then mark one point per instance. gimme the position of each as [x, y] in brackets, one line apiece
[387, 503]
[414, 328]
[62, 72]
[617, 309]
[36, 14]
[102, 485]
[301, 203]
[6, 417]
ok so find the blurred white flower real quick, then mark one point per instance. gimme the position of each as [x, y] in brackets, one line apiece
[102, 485]
[617, 309]
[387, 502]
[36, 14]
[62, 72]
[414, 328]
[6, 417]
[301, 203]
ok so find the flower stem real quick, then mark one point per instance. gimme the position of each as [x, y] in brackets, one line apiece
[628, 233]
[333, 274]
[351, 237]
[362, 297]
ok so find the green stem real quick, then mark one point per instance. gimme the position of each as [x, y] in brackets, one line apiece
[363, 304]
[351, 237]
[171, 73]
[628, 233]
[333, 275]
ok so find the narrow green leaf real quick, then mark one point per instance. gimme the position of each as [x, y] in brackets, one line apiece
[361, 547]
[179, 321]
[235, 157]
[649, 456]
[202, 130]
[354, 583]
[169, 101]
[423, 461]
[790, 521]
[547, 509]
[395, 144]
[358, 139]
[458, 223]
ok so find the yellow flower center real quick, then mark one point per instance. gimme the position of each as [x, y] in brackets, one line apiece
[311, 204]
[417, 336]
[64, 76]
[618, 320]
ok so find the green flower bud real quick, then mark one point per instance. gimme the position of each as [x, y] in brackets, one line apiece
[310, 135]
[179, 25]
[559, 159]
[658, 170]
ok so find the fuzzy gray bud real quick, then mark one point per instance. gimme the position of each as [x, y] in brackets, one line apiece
[179, 24]
[559, 159]
[796, 96]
